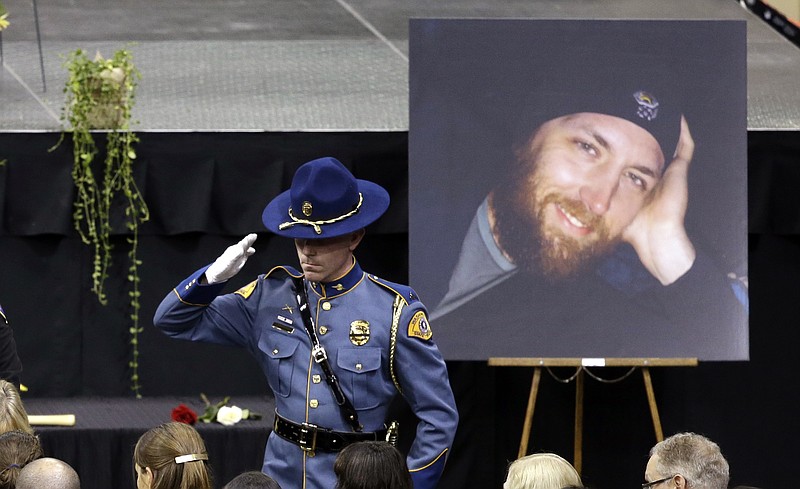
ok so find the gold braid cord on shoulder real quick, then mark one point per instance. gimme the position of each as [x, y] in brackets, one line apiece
[397, 308]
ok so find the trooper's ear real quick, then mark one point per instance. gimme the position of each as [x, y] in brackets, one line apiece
[355, 238]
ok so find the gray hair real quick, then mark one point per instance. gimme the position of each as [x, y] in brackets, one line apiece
[695, 457]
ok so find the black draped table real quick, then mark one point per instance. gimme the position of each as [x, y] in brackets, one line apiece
[100, 445]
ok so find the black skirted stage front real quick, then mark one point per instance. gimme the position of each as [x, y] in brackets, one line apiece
[100, 445]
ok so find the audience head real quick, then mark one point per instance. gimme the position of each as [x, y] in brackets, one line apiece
[171, 456]
[541, 471]
[48, 473]
[371, 465]
[687, 461]
[12, 413]
[252, 480]
[17, 449]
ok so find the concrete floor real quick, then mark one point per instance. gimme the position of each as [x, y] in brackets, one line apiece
[306, 65]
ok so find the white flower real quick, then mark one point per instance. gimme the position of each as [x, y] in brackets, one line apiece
[229, 415]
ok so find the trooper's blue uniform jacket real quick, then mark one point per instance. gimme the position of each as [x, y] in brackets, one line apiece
[354, 317]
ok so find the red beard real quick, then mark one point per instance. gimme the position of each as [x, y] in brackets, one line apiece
[562, 256]
[545, 250]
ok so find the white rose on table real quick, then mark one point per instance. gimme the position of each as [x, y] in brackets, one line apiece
[229, 415]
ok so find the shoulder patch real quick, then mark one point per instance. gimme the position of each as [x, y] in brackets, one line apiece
[247, 289]
[404, 291]
[419, 327]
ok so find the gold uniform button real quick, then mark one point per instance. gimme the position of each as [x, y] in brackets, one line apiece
[359, 366]
[326, 306]
[275, 351]
[313, 403]
[323, 330]
[316, 379]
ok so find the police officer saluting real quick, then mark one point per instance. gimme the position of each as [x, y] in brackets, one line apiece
[336, 344]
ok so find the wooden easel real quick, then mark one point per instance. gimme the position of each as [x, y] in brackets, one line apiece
[538, 363]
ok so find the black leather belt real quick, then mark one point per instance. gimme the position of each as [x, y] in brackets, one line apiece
[310, 437]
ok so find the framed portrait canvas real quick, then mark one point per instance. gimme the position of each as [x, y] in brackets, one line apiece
[578, 188]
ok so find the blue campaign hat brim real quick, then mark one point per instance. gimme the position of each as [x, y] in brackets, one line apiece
[375, 203]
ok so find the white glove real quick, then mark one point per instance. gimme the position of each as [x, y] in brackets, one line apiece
[231, 261]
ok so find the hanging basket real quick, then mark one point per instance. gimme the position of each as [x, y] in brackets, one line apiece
[109, 97]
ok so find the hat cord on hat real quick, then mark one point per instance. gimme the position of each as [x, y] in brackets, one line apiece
[316, 224]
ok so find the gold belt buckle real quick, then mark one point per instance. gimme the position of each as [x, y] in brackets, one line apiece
[308, 430]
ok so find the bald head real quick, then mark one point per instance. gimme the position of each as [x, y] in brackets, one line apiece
[48, 473]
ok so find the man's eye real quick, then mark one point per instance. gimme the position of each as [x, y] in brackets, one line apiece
[638, 181]
[588, 148]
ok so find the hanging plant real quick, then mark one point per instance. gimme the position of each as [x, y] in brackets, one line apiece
[100, 96]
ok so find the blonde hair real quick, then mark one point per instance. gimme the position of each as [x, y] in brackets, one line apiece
[157, 449]
[12, 412]
[17, 449]
[541, 471]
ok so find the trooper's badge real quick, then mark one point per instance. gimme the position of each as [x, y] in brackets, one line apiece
[247, 289]
[419, 327]
[359, 332]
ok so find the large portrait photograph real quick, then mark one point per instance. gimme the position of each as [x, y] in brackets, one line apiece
[578, 188]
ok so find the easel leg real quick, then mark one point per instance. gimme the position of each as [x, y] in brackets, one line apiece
[651, 399]
[578, 448]
[526, 427]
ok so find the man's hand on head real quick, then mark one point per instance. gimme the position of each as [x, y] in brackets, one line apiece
[231, 261]
[657, 233]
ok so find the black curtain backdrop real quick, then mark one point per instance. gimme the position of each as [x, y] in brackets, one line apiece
[206, 190]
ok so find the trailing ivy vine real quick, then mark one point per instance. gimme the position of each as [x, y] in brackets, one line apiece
[99, 96]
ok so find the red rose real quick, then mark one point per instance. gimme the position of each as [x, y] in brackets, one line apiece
[184, 414]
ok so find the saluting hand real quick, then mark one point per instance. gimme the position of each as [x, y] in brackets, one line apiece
[657, 233]
[231, 261]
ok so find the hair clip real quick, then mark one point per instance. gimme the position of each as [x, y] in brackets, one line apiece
[192, 457]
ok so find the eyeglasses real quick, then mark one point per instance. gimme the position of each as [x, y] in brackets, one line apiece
[648, 485]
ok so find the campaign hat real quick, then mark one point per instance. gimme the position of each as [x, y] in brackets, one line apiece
[324, 201]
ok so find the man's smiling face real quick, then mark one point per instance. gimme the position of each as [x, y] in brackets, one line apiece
[582, 180]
